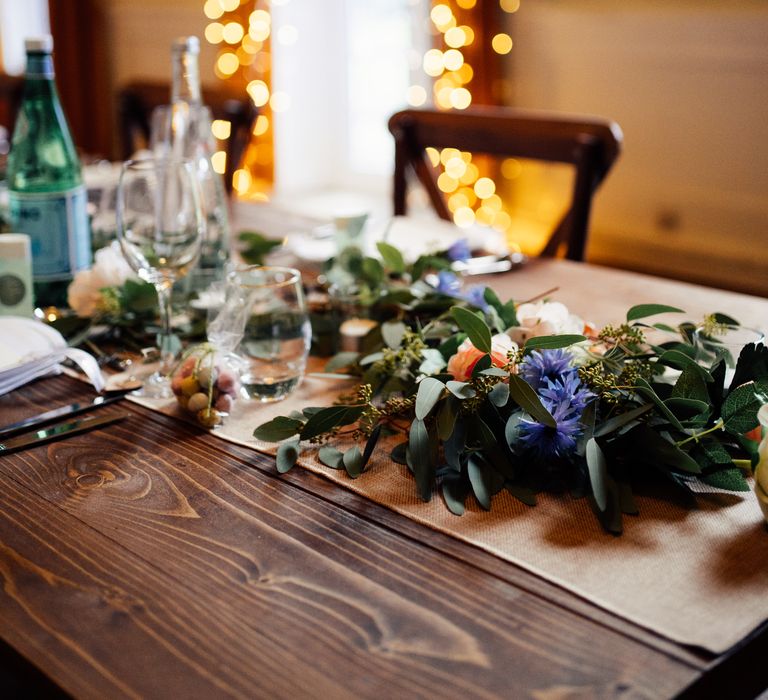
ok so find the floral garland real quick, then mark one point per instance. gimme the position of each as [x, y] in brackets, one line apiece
[593, 413]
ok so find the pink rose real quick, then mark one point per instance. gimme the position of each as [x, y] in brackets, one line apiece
[463, 362]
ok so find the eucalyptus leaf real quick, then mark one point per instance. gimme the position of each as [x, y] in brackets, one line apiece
[480, 480]
[476, 328]
[613, 424]
[331, 457]
[353, 462]
[287, 454]
[341, 360]
[521, 493]
[645, 310]
[495, 372]
[499, 395]
[398, 453]
[278, 429]
[525, 397]
[420, 458]
[446, 417]
[327, 419]
[370, 445]
[461, 390]
[392, 257]
[429, 393]
[392, 332]
[455, 490]
[551, 342]
[598, 473]
[644, 388]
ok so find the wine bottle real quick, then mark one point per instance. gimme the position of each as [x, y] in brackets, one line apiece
[183, 129]
[47, 197]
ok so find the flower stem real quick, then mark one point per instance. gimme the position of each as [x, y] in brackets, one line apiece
[696, 436]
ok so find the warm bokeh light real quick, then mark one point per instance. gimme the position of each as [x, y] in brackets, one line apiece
[227, 63]
[502, 43]
[213, 9]
[510, 5]
[229, 5]
[261, 126]
[433, 62]
[453, 59]
[241, 181]
[441, 15]
[456, 167]
[446, 183]
[466, 4]
[258, 92]
[214, 33]
[469, 34]
[434, 156]
[455, 37]
[233, 32]
[221, 129]
[416, 96]
[219, 162]
[461, 98]
[511, 168]
[470, 175]
[464, 217]
[485, 187]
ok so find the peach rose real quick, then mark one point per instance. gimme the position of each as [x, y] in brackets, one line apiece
[463, 362]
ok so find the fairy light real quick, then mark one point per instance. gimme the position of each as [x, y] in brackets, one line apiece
[242, 31]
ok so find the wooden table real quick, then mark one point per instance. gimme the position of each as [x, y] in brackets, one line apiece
[151, 559]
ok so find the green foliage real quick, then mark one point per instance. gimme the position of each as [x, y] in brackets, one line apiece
[256, 246]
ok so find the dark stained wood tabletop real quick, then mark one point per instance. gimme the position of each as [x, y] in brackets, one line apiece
[152, 559]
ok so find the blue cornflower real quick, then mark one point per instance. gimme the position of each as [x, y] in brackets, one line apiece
[448, 283]
[547, 442]
[475, 295]
[566, 391]
[541, 365]
[459, 251]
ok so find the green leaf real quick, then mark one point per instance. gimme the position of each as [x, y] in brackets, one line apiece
[482, 364]
[626, 499]
[398, 453]
[621, 420]
[550, 342]
[278, 429]
[455, 490]
[476, 328]
[740, 409]
[521, 493]
[420, 458]
[329, 418]
[691, 385]
[429, 393]
[495, 372]
[370, 445]
[331, 457]
[446, 418]
[256, 246]
[644, 310]
[499, 395]
[598, 474]
[679, 360]
[461, 390]
[481, 433]
[392, 257]
[727, 479]
[648, 444]
[353, 462]
[287, 454]
[480, 479]
[341, 360]
[392, 332]
[505, 311]
[643, 387]
[529, 401]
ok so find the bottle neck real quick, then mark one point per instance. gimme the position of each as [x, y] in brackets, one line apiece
[186, 78]
[40, 66]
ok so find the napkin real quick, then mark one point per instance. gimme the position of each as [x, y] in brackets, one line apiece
[30, 349]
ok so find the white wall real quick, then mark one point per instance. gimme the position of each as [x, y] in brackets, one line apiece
[19, 20]
[688, 83]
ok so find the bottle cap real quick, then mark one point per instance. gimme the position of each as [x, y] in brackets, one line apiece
[42, 43]
[187, 43]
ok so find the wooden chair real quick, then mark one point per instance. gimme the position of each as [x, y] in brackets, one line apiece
[590, 145]
[137, 100]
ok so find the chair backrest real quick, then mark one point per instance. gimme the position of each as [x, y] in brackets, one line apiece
[591, 145]
[137, 100]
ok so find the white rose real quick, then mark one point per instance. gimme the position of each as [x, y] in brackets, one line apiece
[544, 318]
[110, 269]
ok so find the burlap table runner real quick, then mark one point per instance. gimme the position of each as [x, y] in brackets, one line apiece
[698, 577]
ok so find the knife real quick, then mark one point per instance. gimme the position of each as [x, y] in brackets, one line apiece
[60, 430]
[72, 409]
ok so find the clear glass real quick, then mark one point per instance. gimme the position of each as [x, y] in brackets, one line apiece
[277, 332]
[160, 227]
[724, 341]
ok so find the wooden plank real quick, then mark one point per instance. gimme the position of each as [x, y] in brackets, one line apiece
[302, 597]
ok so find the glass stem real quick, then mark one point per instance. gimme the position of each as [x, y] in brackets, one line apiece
[167, 355]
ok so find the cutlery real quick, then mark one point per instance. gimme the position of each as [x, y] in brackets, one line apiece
[60, 430]
[64, 411]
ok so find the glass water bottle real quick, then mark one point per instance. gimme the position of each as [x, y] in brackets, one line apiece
[47, 197]
[183, 129]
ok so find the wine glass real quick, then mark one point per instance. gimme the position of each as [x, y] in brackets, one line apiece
[160, 226]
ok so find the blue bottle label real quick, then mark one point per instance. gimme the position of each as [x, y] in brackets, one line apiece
[57, 224]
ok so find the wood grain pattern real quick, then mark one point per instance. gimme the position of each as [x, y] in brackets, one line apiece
[151, 558]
